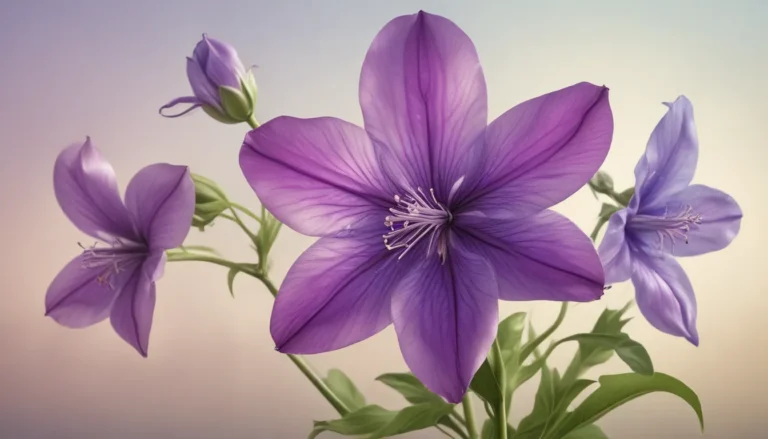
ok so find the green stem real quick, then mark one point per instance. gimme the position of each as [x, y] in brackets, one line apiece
[319, 384]
[181, 257]
[501, 411]
[245, 210]
[252, 121]
[469, 416]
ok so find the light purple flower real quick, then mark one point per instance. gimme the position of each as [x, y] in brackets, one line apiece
[117, 281]
[221, 85]
[668, 217]
[427, 216]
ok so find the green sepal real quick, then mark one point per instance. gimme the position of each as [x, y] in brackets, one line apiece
[249, 89]
[218, 115]
[235, 103]
[625, 197]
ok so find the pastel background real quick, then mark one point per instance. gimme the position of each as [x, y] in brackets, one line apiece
[102, 68]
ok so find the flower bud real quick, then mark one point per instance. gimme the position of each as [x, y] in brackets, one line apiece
[222, 87]
[210, 201]
[601, 183]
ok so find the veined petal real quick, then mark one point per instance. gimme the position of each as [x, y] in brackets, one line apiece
[134, 307]
[204, 90]
[318, 176]
[445, 316]
[337, 293]
[78, 298]
[614, 249]
[161, 198]
[424, 100]
[669, 162]
[542, 151]
[720, 220]
[222, 64]
[665, 295]
[86, 189]
[541, 257]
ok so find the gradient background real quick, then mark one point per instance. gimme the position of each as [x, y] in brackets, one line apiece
[102, 68]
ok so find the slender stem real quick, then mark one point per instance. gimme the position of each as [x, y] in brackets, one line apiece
[245, 210]
[469, 416]
[252, 121]
[180, 257]
[501, 411]
[319, 384]
[242, 225]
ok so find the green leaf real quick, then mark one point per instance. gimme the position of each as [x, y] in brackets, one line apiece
[630, 351]
[543, 405]
[413, 418]
[536, 341]
[587, 432]
[615, 390]
[510, 336]
[366, 420]
[410, 387]
[231, 280]
[485, 385]
[491, 430]
[345, 389]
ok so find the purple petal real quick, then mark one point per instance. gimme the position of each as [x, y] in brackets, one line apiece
[614, 249]
[76, 298]
[204, 90]
[161, 198]
[670, 157]
[194, 101]
[222, 64]
[134, 307]
[542, 151]
[424, 100]
[86, 190]
[318, 176]
[665, 295]
[445, 316]
[541, 257]
[720, 220]
[336, 294]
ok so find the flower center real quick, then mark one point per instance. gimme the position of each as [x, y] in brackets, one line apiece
[111, 260]
[414, 217]
[670, 227]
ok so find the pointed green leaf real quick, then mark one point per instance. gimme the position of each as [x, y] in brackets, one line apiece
[587, 432]
[413, 418]
[510, 335]
[630, 351]
[614, 391]
[485, 385]
[410, 387]
[231, 280]
[345, 389]
[363, 421]
[543, 405]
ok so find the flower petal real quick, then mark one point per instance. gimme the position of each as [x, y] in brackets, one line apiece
[720, 220]
[192, 100]
[336, 294]
[614, 249]
[318, 176]
[542, 151]
[445, 316]
[669, 162]
[161, 198]
[86, 190]
[204, 90]
[77, 299]
[134, 307]
[541, 257]
[222, 64]
[424, 100]
[665, 295]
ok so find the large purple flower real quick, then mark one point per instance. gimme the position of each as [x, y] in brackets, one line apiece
[117, 281]
[428, 215]
[667, 217]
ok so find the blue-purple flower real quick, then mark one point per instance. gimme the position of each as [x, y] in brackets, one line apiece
[428, 215]
[222, 86]
[667, 217]
[117, 280]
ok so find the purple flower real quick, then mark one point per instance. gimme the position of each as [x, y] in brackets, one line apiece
[667, 217]
[117, 281]
[427, 215]
[221, 85]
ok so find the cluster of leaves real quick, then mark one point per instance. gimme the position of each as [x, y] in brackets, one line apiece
[551, 417]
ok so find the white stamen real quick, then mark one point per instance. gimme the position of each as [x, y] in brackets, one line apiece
[668, 227]
[415, 216]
